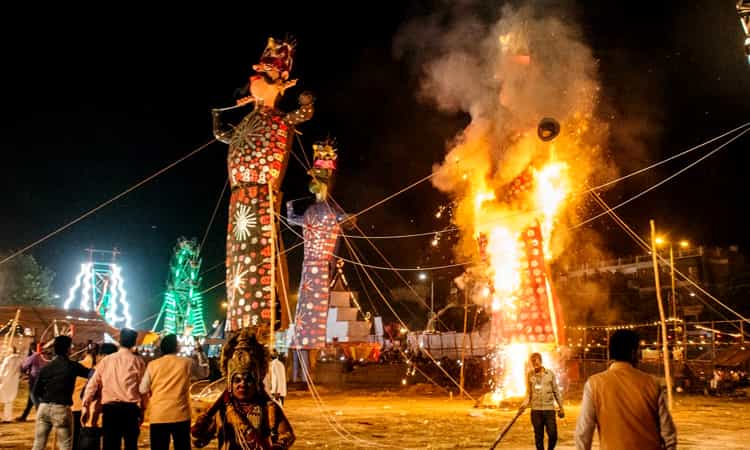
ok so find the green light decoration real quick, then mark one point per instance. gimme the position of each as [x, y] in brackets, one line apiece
[182, 308]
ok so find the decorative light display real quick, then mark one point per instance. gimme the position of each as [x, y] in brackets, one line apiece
[99, 287]
[183, 303]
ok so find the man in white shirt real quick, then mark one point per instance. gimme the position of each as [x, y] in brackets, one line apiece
[275, 380]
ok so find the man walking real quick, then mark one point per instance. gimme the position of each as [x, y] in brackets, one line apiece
[542, 390]
[54, 392]
[167, 379]
[118, 376]
[626, 405]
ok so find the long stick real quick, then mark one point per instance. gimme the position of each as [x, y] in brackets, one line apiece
[463, 342]
[272, 338]
[664, 344]
[507, 427]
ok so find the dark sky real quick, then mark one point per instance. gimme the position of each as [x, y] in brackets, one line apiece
[94, 102]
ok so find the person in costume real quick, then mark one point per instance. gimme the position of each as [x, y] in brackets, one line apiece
[259, 149]
[321, 226]
[244, 417]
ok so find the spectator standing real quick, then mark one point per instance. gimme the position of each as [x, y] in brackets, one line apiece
[91, 429]
[167, 381]
[31, 367]
[627, 406]
[117, 378]
[88, 361]
[10, 375]
[54, 391]
[275, 381]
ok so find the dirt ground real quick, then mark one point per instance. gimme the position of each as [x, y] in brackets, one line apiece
[412, 418]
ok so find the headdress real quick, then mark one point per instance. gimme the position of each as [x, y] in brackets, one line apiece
[278, 55]
[244, 354]
[324, 159]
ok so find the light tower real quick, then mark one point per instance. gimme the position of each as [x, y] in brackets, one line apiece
[99, 287]
[182, 308]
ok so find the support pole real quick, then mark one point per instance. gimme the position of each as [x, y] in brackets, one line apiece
[463, 344]
[664, 346]
[271, 206]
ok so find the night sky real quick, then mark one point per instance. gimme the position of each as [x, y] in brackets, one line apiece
[93, 105]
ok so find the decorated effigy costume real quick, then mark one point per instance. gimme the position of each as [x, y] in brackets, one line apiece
[259, 149]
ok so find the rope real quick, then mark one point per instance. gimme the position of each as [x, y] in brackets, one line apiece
[645, 191]
[213, 215]
[102, 205]
[664, 161]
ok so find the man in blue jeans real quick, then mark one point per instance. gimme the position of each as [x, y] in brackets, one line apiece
[54, 391]
[542, 394]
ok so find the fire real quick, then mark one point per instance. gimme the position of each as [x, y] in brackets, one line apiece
[502, 229]
[553, 186]
[512, 183]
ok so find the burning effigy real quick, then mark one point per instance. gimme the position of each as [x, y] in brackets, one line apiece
[513, 172]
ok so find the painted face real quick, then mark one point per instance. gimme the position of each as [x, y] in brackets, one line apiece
[536, 362]
[243, 386]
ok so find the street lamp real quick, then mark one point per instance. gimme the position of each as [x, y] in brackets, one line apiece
[430, 322]
[684, 244]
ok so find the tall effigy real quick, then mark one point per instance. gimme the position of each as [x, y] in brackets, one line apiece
[321, 227]
[538, 317]
[259, 149]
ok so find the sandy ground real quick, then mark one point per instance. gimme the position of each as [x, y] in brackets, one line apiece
[403, 419]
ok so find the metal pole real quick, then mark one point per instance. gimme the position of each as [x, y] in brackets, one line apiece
[607, 345]
[674, 296]
[665, 348]
[713, 342]
[432, 303]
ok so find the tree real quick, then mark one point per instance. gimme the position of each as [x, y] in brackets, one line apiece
[23, 281]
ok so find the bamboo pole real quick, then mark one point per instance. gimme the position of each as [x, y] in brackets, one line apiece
[664, 346]
[463, 343]
[271, 206]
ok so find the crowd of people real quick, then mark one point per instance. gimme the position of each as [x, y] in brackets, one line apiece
[102, 400]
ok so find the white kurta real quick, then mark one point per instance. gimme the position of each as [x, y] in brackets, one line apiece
[277, 383]
[10, 374]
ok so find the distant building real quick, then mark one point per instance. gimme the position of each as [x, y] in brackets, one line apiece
[623, 289]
